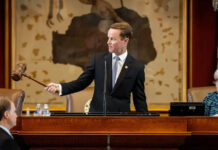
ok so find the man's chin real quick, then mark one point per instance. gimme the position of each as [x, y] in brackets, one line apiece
[14, 124]
[111, 51]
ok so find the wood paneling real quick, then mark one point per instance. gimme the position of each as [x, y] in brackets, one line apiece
[117, 132]
[2, 65]
[202, 43]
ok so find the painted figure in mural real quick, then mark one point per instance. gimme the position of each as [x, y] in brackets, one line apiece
[87, 34]
[105, 10]
[211, 100]
[123, 76]
[8, 118]
[99, 7]
[49, 21]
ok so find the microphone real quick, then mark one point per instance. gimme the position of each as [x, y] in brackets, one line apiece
[105, 83]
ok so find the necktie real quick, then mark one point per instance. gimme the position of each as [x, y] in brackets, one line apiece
[114, 71]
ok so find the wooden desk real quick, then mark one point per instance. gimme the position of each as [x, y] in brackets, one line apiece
[117, 132]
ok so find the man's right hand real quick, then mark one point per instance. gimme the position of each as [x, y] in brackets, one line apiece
[53, 88]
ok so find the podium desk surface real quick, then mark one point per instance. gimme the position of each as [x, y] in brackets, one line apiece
[116, 125]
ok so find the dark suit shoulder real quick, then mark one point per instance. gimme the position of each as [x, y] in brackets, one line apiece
[6, 142]
[4, 134]
[101, 55]
[135, 62]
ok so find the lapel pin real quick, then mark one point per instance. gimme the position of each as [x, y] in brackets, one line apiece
[126, 67]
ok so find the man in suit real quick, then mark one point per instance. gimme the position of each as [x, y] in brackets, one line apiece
[124, 75]
[8, 118]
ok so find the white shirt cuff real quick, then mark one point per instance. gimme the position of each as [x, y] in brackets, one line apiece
[60, 89]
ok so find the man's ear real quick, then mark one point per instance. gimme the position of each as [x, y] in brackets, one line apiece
[6, 114]
[126, 40]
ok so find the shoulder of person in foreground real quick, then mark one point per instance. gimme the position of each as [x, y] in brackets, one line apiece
[211, 96]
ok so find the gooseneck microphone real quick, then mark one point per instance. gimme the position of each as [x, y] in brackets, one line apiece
[105, 83]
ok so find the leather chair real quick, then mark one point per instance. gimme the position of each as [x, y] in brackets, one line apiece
[16, 96]
[197, 94]
[79, 101]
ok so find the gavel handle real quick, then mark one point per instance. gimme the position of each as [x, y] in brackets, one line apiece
[25, 75]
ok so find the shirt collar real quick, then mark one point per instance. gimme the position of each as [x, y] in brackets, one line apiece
[6, 130]
[122, 56]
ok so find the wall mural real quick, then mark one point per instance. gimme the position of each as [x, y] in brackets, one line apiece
[87, 35]
[57, 38]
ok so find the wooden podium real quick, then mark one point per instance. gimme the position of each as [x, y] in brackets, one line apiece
[117, 133]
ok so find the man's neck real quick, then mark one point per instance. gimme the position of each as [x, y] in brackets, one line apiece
[118, 54]
[4, 124]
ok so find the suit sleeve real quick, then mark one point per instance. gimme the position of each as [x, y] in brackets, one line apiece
[9, 144]
[84, 80]
[139, 97]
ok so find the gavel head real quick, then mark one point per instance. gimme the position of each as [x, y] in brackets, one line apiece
[18, 72]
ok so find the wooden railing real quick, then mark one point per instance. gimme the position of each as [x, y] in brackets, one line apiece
[116, 132]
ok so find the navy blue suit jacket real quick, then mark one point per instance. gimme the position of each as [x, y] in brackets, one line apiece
[130, 80]
[7, 142]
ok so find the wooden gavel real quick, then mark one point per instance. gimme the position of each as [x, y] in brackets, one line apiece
[19, 72]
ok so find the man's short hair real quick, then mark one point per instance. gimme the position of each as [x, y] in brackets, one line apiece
[5, 105]
[126, 29]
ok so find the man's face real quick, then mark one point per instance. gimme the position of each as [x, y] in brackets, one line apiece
[12, 116]
[115, 43]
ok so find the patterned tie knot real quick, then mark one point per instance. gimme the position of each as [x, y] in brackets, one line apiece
[117, 58]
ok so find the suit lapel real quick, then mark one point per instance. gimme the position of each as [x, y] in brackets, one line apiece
[124, 70]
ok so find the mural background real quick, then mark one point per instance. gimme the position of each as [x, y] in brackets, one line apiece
[33, 37]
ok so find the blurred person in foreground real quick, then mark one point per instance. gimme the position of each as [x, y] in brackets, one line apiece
[8, 119]
[211, 100]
